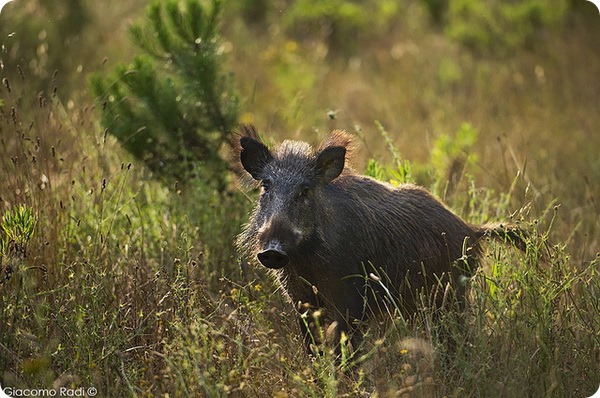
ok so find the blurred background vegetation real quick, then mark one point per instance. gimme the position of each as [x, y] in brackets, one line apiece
[119, 213]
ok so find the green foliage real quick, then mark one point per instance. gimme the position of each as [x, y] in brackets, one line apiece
[450, 156]
[451, 153]
[18, 225]
[485, 26]
[174, 107]
[499, 26]
[115, 260]
[341, 22]
[401, 170]
[376, 170]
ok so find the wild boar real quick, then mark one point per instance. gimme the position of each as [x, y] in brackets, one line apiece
[347, 244]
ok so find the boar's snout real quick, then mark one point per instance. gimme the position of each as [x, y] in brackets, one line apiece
[273, 256]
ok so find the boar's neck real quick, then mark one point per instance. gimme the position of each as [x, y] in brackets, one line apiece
[350, 221]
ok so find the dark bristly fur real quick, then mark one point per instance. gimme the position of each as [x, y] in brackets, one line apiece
[345, 243]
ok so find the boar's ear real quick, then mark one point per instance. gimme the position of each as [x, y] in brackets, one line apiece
[330, 162]
[254, 156]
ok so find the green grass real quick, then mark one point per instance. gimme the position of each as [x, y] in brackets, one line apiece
[135, 287]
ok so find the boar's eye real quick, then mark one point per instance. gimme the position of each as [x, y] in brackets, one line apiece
[266, 184]
[304, 191]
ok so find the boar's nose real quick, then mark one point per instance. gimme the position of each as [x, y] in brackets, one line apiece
[273, 258]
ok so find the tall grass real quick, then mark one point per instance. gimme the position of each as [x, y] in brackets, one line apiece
[113, 259]
[134, 288]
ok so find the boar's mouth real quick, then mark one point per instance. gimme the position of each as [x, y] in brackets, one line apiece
[273, 256]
